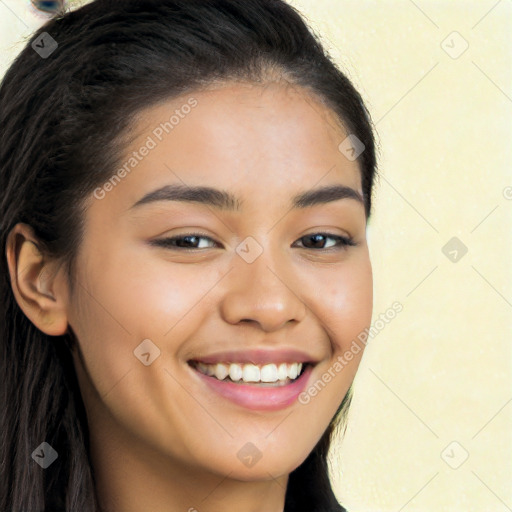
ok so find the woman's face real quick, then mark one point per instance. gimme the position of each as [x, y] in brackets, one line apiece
[248, 282]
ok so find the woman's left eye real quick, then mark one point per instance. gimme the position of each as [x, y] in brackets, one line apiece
[190, 241]
[316, 238]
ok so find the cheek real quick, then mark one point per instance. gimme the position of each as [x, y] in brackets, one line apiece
[142, 298]
[135, 302]
[345, 303]
[126, 303]
[344, 310]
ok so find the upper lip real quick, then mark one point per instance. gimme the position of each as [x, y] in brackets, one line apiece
[257, 356]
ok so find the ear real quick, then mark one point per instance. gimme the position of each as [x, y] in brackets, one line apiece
[39, 286]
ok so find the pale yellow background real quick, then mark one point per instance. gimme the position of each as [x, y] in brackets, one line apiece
[441, 370]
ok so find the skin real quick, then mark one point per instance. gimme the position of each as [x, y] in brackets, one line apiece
[160, 440]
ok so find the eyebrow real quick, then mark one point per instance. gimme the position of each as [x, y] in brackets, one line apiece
[224, 200]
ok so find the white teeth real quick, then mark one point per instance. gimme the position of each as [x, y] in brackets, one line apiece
[250, 372]
[293, 370]
[235, 372]
[221, 371]
[268, 373]
[282, 371]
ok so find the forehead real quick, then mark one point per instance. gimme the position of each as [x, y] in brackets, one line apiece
[278, 113]
[264, 141]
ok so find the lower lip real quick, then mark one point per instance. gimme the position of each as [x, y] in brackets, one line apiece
[255, 397]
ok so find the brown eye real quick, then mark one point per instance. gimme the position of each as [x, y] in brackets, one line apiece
[188, 241]
[317, 241]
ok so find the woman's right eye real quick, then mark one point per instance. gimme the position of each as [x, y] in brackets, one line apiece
[175, 243]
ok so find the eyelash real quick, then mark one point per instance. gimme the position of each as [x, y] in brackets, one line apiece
[168, 243]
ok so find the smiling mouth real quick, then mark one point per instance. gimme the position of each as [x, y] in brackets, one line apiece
[267, 375]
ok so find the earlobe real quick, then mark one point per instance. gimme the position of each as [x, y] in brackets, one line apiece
[36, 282]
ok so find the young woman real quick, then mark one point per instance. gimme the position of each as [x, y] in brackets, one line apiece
[185, 187]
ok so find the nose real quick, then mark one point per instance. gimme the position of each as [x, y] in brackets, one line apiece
[259, 294]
